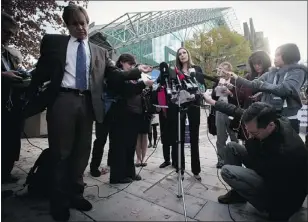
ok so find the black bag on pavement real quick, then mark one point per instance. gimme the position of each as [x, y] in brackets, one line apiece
[39, 179]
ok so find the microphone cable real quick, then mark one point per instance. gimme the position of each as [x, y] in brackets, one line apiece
[27, 138]
[207, 133]
[120, 190]
[239, 128]
[100, 197]
[90, 186]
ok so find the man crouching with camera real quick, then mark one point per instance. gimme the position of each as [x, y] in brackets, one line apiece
[275, 178]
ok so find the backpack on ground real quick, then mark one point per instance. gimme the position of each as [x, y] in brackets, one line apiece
[40, 176]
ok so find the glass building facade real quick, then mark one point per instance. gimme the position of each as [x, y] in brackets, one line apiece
[162, 46]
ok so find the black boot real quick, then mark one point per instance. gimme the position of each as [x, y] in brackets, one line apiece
[95, 172]
[80, 203]
[232, 197]
[164, 164]
[137, 178]
[122, 181]
[59, 210]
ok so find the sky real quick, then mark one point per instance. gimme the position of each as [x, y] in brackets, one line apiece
[281, 21]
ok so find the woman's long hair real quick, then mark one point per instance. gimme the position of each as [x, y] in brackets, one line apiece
[178, 63]
[261, 58]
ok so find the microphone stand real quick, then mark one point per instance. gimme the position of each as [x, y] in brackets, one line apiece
[180, 193]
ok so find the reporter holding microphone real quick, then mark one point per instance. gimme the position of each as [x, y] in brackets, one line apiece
[129, 120]
[281, 85]
[223, 93]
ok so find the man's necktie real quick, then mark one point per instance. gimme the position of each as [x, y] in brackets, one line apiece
[81, 67]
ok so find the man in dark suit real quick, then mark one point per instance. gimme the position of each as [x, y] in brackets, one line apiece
[76, 69]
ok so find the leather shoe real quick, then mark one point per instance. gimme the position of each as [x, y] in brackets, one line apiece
[137, 178]
[232, 197]
[164, 164]
[125, 180]
[80, 203]
[95, 173]
[60, 213]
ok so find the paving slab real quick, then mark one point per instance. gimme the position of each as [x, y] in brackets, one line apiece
[130, 202]
[24, 209]
[213, 211]
[124, 206]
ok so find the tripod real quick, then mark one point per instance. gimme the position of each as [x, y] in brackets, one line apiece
[180, 193]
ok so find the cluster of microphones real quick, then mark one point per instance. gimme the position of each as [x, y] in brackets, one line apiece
[180, 87]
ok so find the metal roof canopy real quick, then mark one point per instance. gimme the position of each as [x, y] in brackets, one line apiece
[134, 27]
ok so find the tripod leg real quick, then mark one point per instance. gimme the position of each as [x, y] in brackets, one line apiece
[184, 203]
[159, 181]
[198, 181]
[180, 184]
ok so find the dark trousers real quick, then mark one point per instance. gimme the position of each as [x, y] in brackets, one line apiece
[166, 153]
[123, 139]
[193, 114]
[168, 133]
[11, 127]
[69, 122]
[101, 133]
[245, 181]
[154, 127]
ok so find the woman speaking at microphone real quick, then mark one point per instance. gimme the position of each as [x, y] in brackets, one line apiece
[186, 66]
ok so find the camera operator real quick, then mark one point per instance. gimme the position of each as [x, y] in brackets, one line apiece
[129, 121]
[275, 157]
[11, 99]
[168, 128]
[281, 87]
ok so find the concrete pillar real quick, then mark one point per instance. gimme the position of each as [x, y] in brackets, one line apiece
[36, 126]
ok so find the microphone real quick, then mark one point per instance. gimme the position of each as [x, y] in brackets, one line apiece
[188, 85]
[174, 91]
[179, 74]
[164, 72]
[164, 69]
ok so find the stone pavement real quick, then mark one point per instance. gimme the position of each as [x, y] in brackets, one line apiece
[132, 204]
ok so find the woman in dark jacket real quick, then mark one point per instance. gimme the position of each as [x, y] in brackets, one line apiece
[281, 85]
[184, 64]
[259, 63]
[128, 119]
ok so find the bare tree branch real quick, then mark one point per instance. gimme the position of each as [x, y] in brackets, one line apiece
[33, 17]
